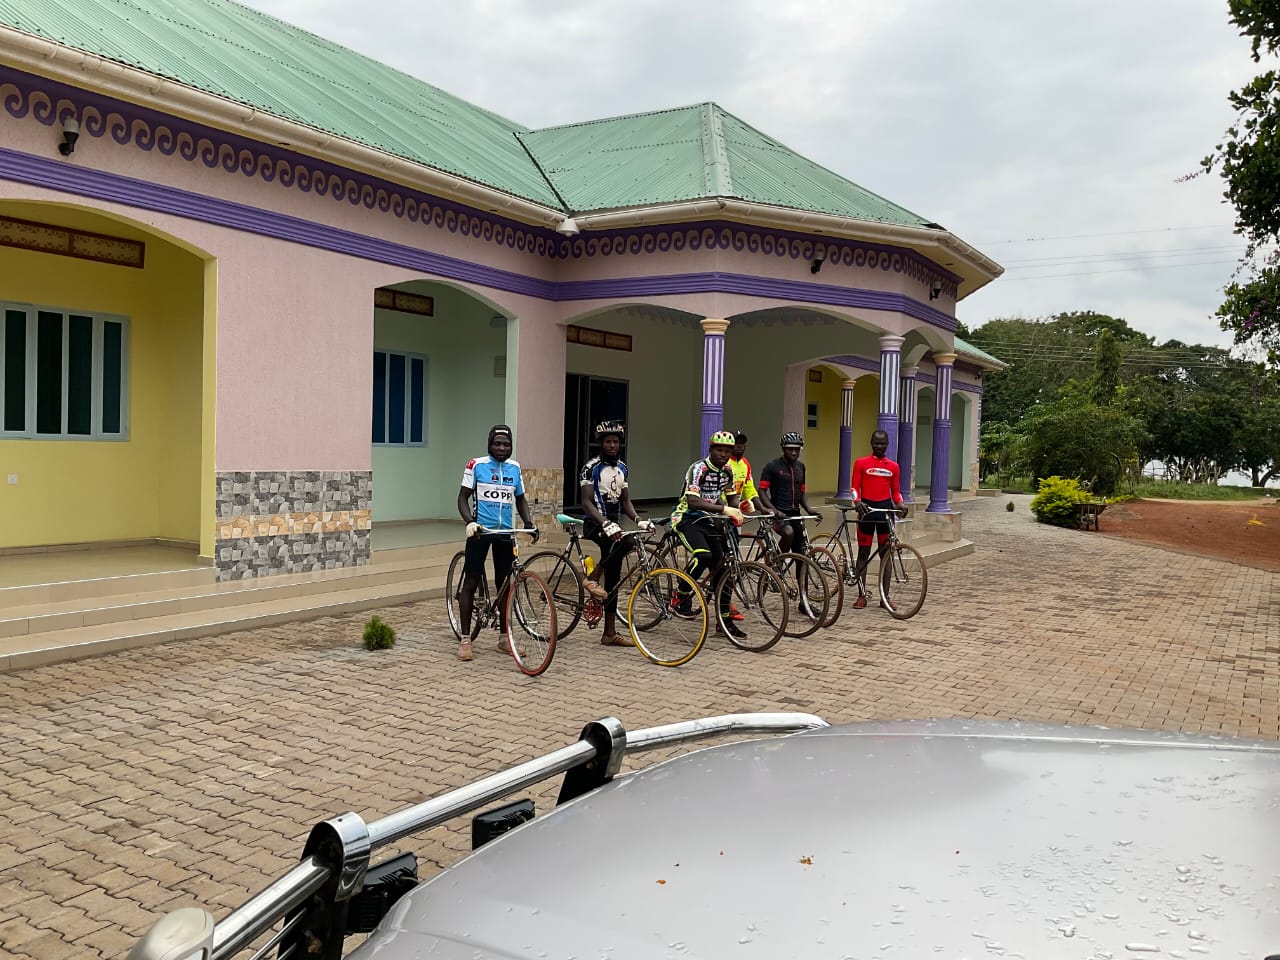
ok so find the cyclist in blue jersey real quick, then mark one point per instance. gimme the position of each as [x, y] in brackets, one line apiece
[605, 501]
[494, 482]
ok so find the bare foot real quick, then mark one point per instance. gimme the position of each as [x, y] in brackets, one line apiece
[464, 650]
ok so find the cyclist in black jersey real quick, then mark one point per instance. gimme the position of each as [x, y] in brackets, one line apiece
[782, 491]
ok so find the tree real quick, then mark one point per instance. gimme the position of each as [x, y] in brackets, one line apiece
[1257, 390]
[1043, 355]
[1249, 160]
[1084, 441]
[1106, 369]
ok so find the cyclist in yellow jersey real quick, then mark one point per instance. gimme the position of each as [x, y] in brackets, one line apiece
[744, 484]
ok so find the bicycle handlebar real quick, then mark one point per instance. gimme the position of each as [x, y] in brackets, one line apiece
[515, 530]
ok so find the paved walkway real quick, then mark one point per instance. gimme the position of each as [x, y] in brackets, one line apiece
[143, 781]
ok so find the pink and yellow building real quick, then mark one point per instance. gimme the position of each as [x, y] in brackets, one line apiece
[259, 292]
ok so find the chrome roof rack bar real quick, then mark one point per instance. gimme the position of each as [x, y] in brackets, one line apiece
[288, 893]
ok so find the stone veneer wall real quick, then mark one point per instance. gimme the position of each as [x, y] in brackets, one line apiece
[274, 522]
[544, 489]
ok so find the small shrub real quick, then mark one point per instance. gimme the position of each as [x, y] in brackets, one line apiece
[1009, 506]
[1056, 501]
[378, 635]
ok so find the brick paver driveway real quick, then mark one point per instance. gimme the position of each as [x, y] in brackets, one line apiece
[143, 781]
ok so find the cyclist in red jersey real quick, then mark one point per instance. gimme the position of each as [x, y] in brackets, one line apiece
[876, 486]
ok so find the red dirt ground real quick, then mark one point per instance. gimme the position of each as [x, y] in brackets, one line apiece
[1244, 531]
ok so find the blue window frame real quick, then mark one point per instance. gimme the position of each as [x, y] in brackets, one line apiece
[399, 399]
[63, 374]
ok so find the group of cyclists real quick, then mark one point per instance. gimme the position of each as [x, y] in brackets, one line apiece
[720, 486]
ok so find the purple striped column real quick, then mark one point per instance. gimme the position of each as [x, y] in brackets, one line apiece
[941, 466]
[907, 430]
[844, 475]
[712, 379]
[890, 365]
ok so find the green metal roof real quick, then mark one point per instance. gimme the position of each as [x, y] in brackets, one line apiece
[969, 350]
[693, 153]
[226, 49]
[668, 156]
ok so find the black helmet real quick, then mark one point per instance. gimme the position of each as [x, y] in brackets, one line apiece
[500, 429]
[740, 436]
[791, 439]
[607, 428]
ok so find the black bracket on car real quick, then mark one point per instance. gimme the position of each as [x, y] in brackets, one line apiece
[341, 844]
[609, 737]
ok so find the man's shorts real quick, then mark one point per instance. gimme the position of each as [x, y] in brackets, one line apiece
[800, 540]
[878, 527]
[504, 553]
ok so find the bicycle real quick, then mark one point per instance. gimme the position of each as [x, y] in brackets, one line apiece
[806, 583]
[750, 598]
[904, 577]
[564, 572]
[525, 600]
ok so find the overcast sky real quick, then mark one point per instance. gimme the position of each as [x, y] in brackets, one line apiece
[1003, 120]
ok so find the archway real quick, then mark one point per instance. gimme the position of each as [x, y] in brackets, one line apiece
[641, 363]
[439, 384]
[109, 380]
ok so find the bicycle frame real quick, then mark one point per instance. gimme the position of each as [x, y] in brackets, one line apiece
[842, 534]
[490, 613]
[575, 546]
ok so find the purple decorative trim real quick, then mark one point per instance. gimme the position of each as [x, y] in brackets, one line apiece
[127, 124]
[48, 102]
[791, 290]
[746, 238]
[859, 363]
[150, 196]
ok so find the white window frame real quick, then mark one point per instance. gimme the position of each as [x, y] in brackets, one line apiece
[408, 397]
[31, 373]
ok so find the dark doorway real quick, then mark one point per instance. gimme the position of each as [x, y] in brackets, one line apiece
[587, 401]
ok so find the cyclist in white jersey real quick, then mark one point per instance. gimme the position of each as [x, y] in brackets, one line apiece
[495, 484]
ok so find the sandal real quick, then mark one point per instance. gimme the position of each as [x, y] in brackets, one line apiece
[505, 646]
[464, 651]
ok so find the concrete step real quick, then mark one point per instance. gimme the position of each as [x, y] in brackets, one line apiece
[405, 565]
[73, 643]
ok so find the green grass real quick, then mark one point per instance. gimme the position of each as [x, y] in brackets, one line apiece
[1171, 490]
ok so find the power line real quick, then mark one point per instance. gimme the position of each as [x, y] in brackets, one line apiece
[1131, 269]
[1115, 233]
[1103, 257]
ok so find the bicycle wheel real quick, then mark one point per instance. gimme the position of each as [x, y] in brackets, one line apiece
[565, 584]
[632, 570]
[531, 607]
[834, 575]
[807, 593]
[667, 631]
[751, 606]
[452, 584]
[903, 581]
